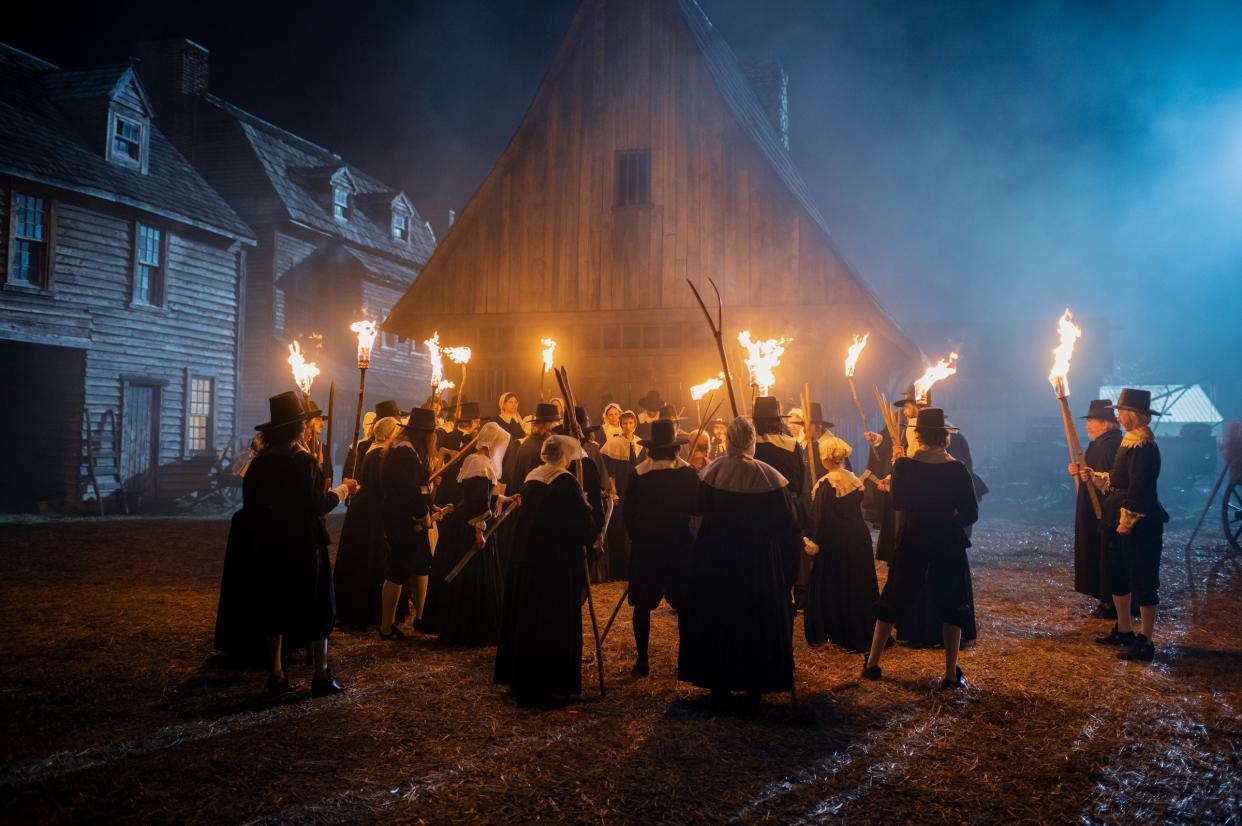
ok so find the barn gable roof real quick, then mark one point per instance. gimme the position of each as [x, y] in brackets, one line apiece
[301, 174]
[40, 142]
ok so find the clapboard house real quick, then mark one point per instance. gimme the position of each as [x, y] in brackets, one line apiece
[119, 298]
[649, 155]
[334, 243]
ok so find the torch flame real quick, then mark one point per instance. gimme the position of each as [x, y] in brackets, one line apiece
[851, 361]
[458, 355]
[437, 361]
[762, 357]
[442, 385]
[940, 370]
[698, 391]
[304, 372]
[366, 330]
[549, 350]
[1070, 333]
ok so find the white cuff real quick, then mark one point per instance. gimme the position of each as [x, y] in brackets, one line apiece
[1102, 480]
[341, 491]
[1129, 518]
[810, 547]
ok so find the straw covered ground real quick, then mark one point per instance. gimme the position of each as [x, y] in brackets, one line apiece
[113, 707]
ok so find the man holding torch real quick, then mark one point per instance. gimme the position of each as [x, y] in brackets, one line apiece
[1090, 572]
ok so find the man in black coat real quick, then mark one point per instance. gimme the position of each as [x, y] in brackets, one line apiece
[1090, 574]
[777, 448]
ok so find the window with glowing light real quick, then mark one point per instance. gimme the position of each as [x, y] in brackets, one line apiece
[199, 415]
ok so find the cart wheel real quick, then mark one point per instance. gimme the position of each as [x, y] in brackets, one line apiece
[1231, 515]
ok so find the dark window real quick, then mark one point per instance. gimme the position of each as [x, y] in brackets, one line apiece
[651, 338]
[198, 429]
[672, 336]
[632, 338]
[340, 203]
[127, 141]
[400, 227]
[30, 253]
[590, 338]
[504, 339]
[149, 269]
[633, 185]
[612, 338]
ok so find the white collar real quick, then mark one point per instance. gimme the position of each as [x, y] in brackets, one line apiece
[782, 441]
[510, 418]
[841, 480]
[618, 447]
[648, 465]
[545, 473]
[932, 456]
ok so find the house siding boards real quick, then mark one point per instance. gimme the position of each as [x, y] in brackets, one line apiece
[544, 248]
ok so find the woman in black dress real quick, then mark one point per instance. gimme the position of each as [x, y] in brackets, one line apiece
[465, 609]
[843, 586]
[662, 494]
[408, 514]
[540, 652]
[362, 553]
[735, 622]
[285, 495]
[934, 496]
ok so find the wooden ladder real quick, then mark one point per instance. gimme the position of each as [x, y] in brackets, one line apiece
[103, 455]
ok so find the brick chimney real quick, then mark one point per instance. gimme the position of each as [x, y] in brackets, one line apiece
[771, 85]
[175, 73]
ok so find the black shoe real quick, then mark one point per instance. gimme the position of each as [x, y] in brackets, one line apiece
[960, 682]
[1115, 637]
[395, 634]
[325, 685]
[640, 669]
[1103, 611]
[278, 686]
[872, 673]
[1141, 651]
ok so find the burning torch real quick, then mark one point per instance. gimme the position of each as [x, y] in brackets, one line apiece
[304, 372]
[940, 370]
[762, 357]
[436, 358]
[851, 361]
[549, 350]
[459, 355]
[1059, 378]
[698, 391]
[365, 330]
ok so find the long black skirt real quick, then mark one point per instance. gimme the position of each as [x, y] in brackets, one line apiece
[840, 596]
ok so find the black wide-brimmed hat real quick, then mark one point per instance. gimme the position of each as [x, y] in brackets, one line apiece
[767, 407]
[667, 411]
[911, 397]
[545, 412]
[421, 418]
[1101, 409]
[387, 410]
[1139, 401]
[651, 401]
[284, 408]
[817, 416]
[664, 434]
[314, 411]
[932, 418]
[584, 419]
[469, 412]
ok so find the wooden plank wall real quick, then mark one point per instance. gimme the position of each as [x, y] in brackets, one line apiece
[193, 331]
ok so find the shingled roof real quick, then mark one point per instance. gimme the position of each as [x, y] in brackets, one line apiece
[739, 95]
[300, 173]
[40, 142]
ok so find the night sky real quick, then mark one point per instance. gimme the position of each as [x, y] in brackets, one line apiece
[976, 160]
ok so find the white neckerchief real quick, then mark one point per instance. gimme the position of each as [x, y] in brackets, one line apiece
[742, 474]
[782, 441]
[932, 455]
[1137, 437]
[841, 480]
[648, 465]
[476, 464]
[510, 418]
[545, 473]
[610, 430]
[644, 417]
[618, 447]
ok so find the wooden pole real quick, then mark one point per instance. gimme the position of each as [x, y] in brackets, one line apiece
[461, 389]
[331, 418]
[1075, 452]
[362, 392]
[716, 328]
[889, 423]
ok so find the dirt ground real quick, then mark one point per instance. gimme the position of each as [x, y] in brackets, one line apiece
[114, 708]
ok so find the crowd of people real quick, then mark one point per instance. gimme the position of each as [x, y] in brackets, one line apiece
[489, 531]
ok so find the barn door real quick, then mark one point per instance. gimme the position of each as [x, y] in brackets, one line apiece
[140, 440]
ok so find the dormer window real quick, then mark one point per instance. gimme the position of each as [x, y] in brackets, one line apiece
[340, 203]
[127, 145]
[400, 227]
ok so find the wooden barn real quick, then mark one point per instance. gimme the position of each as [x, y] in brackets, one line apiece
[650, 155]
[119, 322]
[334, 243]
